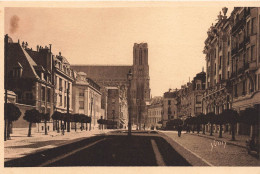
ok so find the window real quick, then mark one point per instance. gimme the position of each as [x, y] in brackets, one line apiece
[253, 26]
[60, 100]
[258, 81]
[220, 61]
[43, 93]
[253, 53]
[228, 58]
[219, 77]
[55, 81]
[48, 94]
[198, 86]
[60, 84]
[215, 70]
[169, 102]
[247, 54]
[198, 99]
[228, 74]
[65, 101]
[65, 86]
[29, 96]
[81, 104]
[81, 93]
[236, 90]
[244, 88]
[248, 28]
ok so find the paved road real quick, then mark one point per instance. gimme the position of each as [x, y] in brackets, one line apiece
[107, 150]
[220, 155]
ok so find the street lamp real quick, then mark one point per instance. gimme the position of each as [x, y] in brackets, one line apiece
[129, 78]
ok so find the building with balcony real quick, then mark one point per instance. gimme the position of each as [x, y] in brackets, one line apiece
[232, 58]
[86, 98]
[245, 77]
[63, 77]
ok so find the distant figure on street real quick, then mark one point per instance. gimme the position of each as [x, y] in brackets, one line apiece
[179, 130]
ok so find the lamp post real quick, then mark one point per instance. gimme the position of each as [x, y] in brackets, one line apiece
[129, 78]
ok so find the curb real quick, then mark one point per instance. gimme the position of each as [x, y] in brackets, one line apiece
[218, 139]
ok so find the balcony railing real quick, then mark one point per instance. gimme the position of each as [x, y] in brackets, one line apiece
[234, 51]
[237, 25]
[247, 39]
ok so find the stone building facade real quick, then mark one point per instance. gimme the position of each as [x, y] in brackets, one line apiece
[232, 58]
[116, 77]
[29, 79]
[86, 98]
[154, 113]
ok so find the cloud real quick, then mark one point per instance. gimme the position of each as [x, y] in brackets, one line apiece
[14, 24]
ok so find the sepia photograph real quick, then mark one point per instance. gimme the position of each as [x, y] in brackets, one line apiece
[130, 84]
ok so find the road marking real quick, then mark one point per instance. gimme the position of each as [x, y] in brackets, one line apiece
[157, 153]
[68, 154]
[193, 153]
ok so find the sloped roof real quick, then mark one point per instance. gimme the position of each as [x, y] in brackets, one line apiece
[104, 72]
[16, 54]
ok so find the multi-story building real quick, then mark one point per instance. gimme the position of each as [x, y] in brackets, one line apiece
[245, 76]
[155, 110]
[63, 79]
[30, 80]
[170, 106]
[108, 76]
[86, 98]
[232, 58]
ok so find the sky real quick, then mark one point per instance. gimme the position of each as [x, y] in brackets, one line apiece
[105, 36]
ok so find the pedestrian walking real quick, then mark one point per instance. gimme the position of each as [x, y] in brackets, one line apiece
[179, 130]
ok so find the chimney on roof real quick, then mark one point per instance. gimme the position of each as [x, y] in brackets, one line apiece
[59, 53]
[26, 44]
[50, 48]
[18, 41]
[23, 44]
[176, 89]
[203, 69]
[37, 48]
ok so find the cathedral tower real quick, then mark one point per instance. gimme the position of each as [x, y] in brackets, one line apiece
[140, 87]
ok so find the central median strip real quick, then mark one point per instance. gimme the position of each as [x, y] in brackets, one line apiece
[69, 154]
[158, 156]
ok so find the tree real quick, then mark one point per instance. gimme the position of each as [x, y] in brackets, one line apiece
[231, 117]
[57, 116]
[203, 119]
[12, 114]
[211, 118]
[46, 117]
[32, 116]
[220, 120]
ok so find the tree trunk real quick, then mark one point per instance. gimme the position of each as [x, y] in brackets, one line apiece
[58, 126]
[75, 126]
[90, 126]
[211, 129]
[198, 128]
[8, 129]
[220, 131]
[204, 126]
[233, 132]
[81, 127]
[29, 131]
[86, 126]
[45, 125]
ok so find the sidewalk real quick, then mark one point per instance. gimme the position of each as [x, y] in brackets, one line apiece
[214, 153]
[240, 139]
[21, 145]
